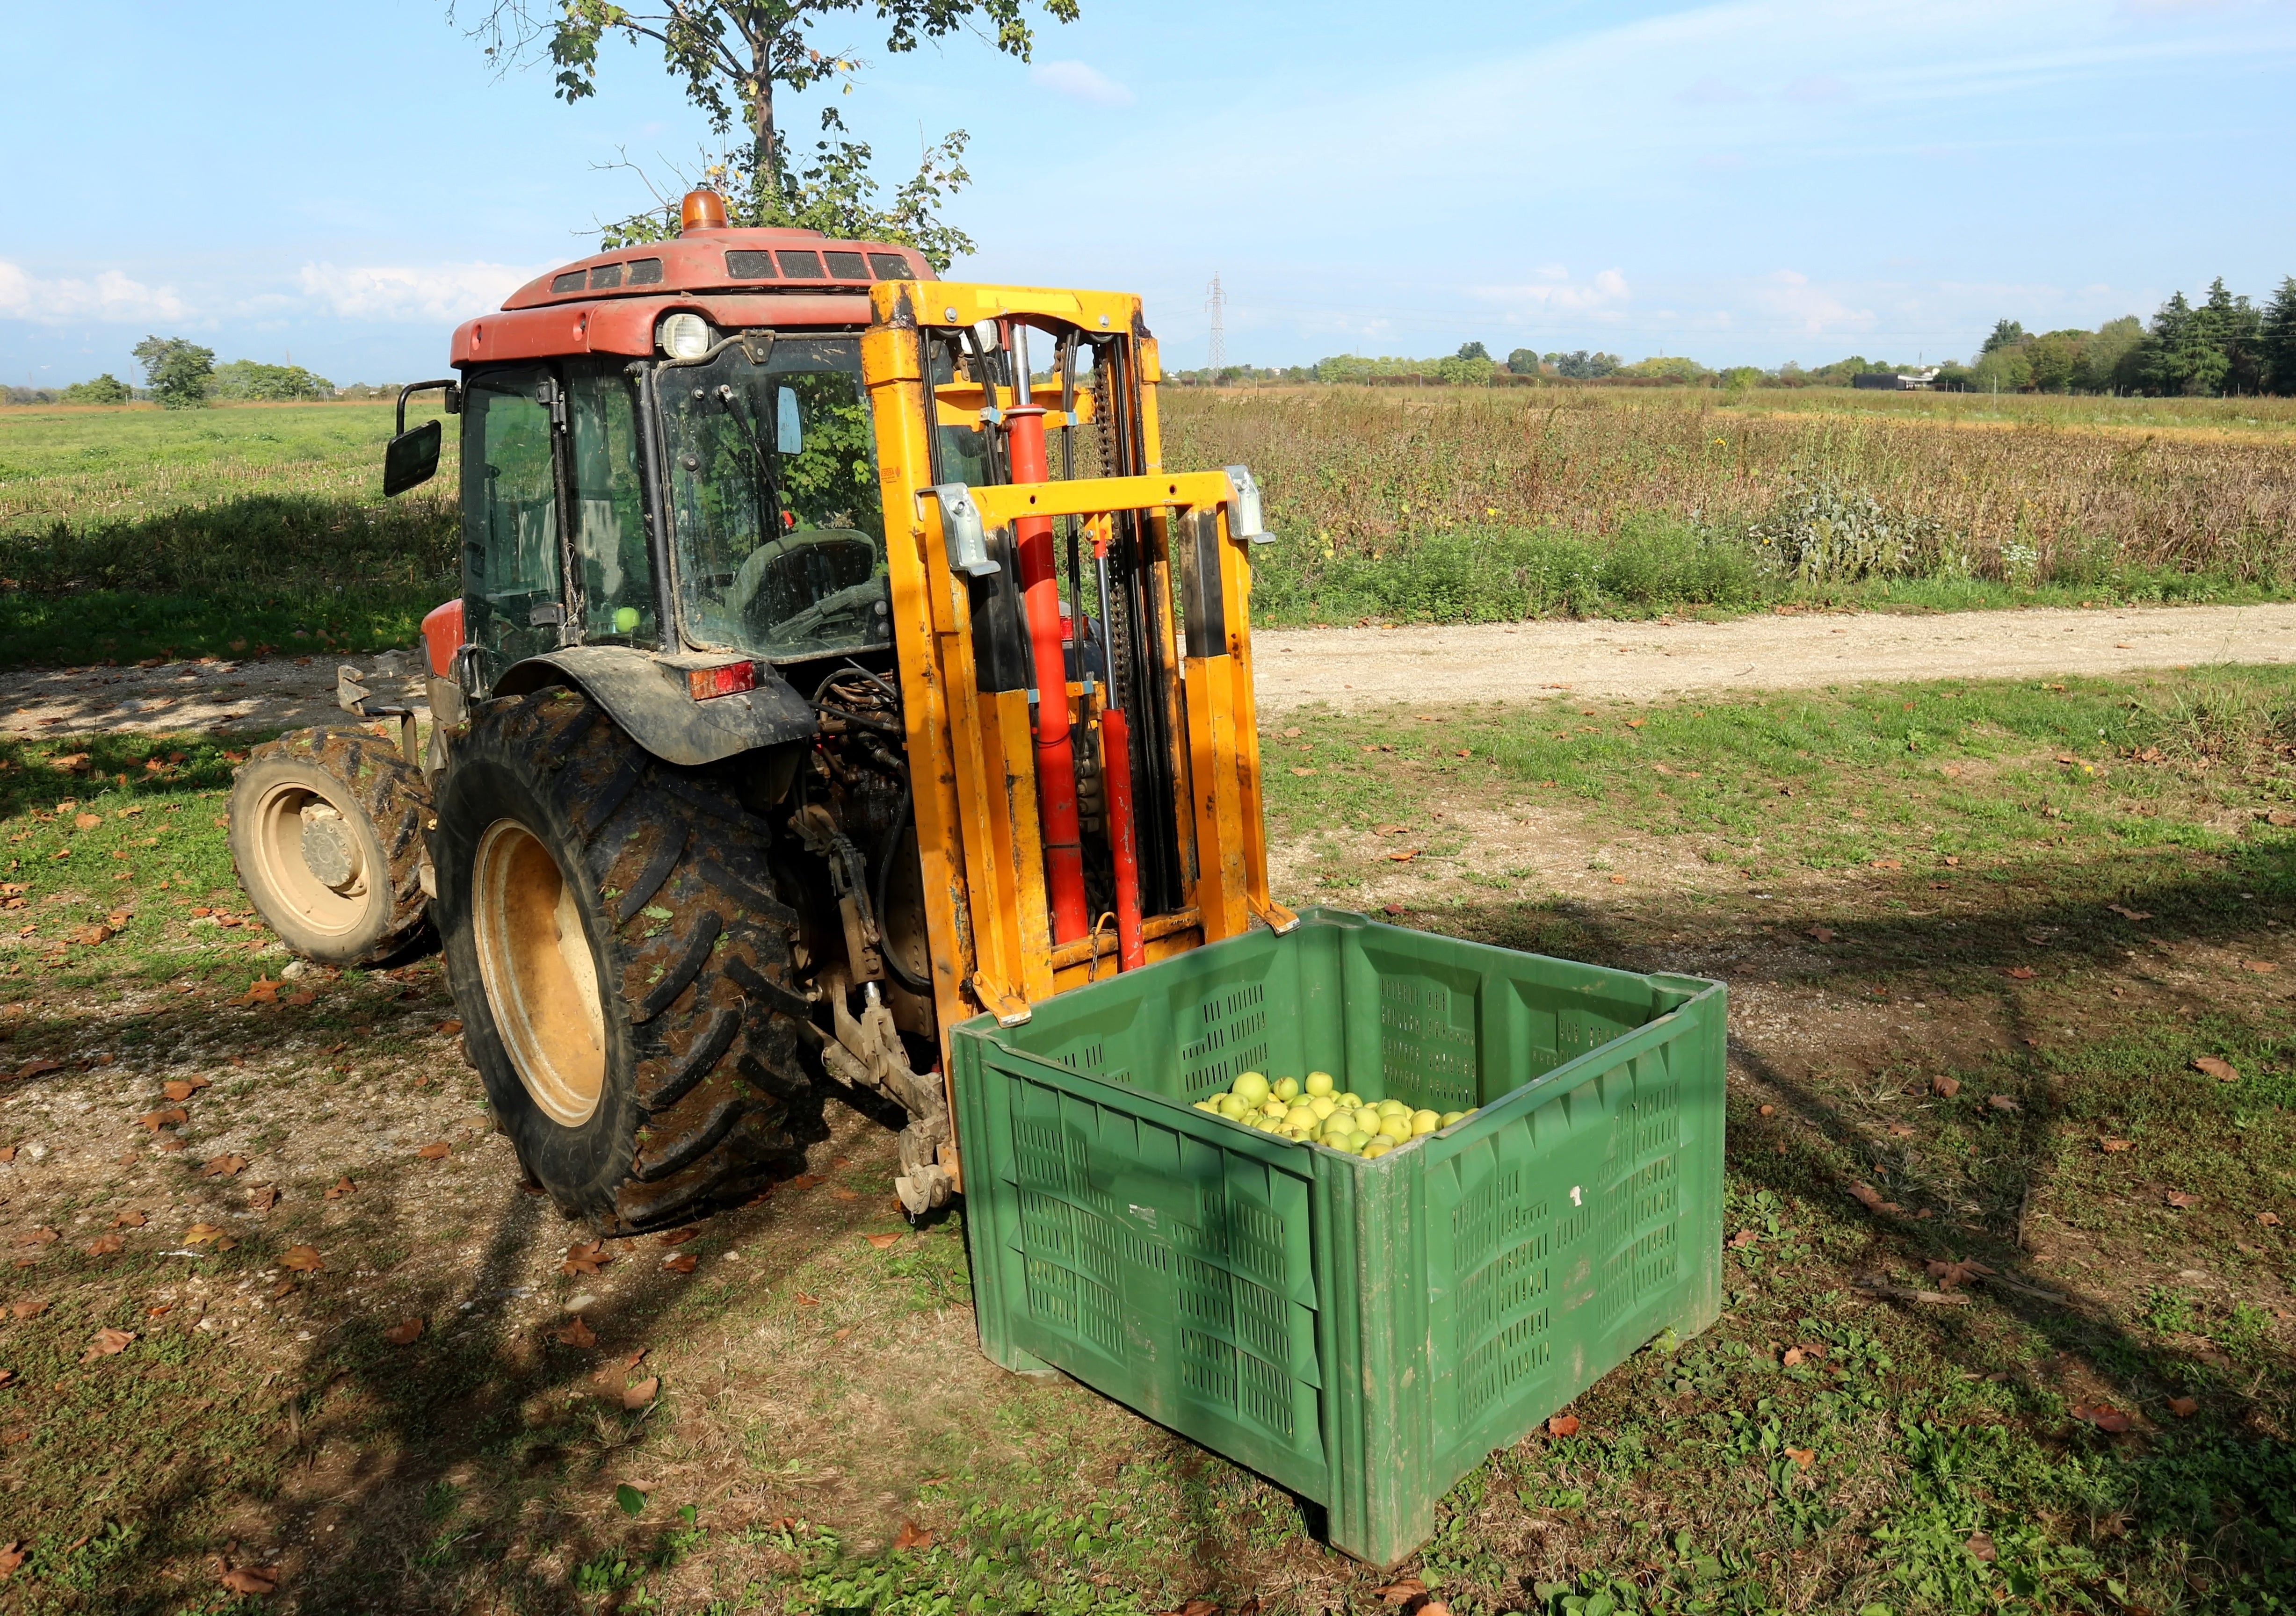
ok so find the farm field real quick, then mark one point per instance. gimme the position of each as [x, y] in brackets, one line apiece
[1473, 505]
[2010, 1314]
[130, 533]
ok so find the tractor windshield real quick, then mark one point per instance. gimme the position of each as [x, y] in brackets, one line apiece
[780, 542]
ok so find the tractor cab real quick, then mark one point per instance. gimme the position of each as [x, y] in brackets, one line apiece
[669, 448]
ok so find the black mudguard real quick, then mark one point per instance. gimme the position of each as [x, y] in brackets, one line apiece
[645, 694]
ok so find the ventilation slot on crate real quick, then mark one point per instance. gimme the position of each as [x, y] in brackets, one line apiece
[1421, 1053]
[1266, 1395]
[1233, 1041]
[1493, 1371]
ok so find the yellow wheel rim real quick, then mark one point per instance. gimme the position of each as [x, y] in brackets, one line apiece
[540, 978]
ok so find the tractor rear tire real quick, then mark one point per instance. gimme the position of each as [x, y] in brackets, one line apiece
[620, 958]
[326, 832]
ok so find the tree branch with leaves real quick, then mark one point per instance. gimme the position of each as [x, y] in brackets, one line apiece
[732, 58]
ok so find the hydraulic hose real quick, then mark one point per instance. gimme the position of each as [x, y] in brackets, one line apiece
[886, 951]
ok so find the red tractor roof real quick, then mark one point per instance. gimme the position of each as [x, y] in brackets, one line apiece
[609, 303]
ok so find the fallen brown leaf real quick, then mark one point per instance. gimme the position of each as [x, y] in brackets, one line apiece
[404, 1333]
[340, 1188]
[2184, 1408]
[1824, 933]
[2115, 1146]
[11, 1557]
[2020, 973]
[586, 1257]
[910, 1537]
[130, 1219]
[679, 1237]
[263, 1197]
[104, 1245]
[2001, 1102]
[682, 1263]
[438, 1150]
[842, 1194]
[2216, 1066]
[1404, 855]
[1562, 1424]
[303, 1260]
[1980, 1544]
[223, 1167]
[1803, 1457]
[184, 1088]
[642, 1393]
[2130, 914]
[156, 1120]
[1403, 1590]
[1945, 1087]
[882, 1241]
[1743, 1238]
[250, 1580]
[2182, 1200]
[107, 1343]
[26, 1310]
[2104, 1416]
[204, 1234]
[577, 1333]
[2270, 1219]
[2258, 965]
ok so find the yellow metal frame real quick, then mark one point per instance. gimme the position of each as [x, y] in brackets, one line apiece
[971, 762]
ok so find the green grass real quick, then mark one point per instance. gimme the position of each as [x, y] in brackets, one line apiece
[1942, 779]
[1651, 565]
[131, 533]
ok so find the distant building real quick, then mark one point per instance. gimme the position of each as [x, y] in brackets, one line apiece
[1918, 381]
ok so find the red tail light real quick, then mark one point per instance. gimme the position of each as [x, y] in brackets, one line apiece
[731, 679]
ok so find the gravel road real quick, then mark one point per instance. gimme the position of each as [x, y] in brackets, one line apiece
[1346, 667]
[1350, 668]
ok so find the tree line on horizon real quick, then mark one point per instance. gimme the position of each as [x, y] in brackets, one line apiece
[2224, 345]
[179, 374]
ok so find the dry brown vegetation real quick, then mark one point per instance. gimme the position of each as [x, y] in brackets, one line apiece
[1360, 467]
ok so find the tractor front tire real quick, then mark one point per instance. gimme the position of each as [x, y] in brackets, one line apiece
[621, 961]
[326, 831]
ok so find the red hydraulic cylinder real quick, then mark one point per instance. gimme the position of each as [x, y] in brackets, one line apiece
[1116, 777]
[1040, 597]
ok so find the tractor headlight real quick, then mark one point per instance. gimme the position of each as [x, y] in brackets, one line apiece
[683, 336]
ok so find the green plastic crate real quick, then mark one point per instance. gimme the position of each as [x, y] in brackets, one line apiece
[1363, 1333]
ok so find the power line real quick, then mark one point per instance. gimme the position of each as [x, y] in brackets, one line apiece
[1217, 304]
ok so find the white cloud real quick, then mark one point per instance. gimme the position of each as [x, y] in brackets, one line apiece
[1789, 296]
[1079, 82]
[111, 297]
[428, 293]
[1557, 292]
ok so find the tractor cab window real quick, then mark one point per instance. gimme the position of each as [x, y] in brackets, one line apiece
[609, 508]
[512, 601]
[780, 539]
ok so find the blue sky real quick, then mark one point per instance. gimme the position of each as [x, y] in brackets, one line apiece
[1744, 183]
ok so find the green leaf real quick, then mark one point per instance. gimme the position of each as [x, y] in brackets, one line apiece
[631, 1499]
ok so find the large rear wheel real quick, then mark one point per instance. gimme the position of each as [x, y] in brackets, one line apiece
[326, 831]
[621, 962]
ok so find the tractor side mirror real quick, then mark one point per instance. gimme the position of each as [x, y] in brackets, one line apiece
[789, 428]
[411, 459]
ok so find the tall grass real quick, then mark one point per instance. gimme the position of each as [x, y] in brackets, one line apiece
[1457, 484]
[126, 533]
